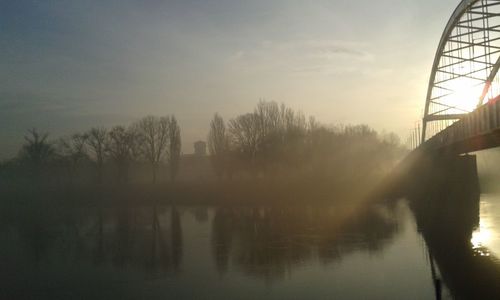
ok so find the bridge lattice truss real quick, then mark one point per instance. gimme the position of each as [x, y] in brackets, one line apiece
[464, 72]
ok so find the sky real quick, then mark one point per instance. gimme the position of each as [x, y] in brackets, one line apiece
[66, 66]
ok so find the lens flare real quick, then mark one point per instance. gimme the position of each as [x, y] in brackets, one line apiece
[480, 239]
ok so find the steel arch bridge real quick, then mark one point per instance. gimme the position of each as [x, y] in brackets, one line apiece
[461, 102]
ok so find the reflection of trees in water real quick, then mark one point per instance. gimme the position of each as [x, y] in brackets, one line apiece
[268, 242]
[176, 232]
[222, 226]
[146, 238]
[40, 229]
[265, 242]
[200, 214]
[151, 237]
[36, 236]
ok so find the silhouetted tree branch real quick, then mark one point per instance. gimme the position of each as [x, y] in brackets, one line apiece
[218, 145]
[97, 140]
[174, 147]
[36, 152]
[154, 135]
[122, 149]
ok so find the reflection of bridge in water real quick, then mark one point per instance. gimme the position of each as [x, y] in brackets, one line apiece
[462, 115]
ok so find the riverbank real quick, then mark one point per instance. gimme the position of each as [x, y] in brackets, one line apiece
[240, 192]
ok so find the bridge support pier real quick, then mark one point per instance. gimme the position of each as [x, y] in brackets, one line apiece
[445, 197]
[457, 170]
[433, 170]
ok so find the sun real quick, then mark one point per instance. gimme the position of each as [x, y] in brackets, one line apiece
[465, 94]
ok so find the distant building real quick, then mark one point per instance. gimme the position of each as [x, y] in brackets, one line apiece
[200, 148]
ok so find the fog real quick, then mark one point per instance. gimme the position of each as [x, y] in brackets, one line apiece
[273, 149]
[246, 150]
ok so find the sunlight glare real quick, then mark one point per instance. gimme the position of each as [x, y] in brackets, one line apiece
[480, 239]
[466, 94]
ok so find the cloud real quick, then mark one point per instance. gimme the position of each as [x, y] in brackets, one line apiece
[343, 50]
[337, 47]
[303, 56]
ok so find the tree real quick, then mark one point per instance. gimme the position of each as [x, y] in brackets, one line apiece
[269, 118]
[244, 134]
[122, 148]
[154, 134]
[72, 152]
[36, 151]
[97, 139]
[270, 136]
[174, 147]
[218, 144]
[281, 134]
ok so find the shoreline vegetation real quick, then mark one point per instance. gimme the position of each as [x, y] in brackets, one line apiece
[271, 155]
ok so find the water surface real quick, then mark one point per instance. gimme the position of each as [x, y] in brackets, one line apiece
[200, 252]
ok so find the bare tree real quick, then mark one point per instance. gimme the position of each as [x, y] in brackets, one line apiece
[97, 139]
[36, 151]
[272, 135]
[72, 152]
[244, 135]
[73, 148]
[269, 118]
[122, 148]
[154, 134]
[174, 147]
[218, 144]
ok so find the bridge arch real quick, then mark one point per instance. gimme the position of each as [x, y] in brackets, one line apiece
[465, 66]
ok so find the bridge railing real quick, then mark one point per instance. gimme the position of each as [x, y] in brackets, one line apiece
[470, 133]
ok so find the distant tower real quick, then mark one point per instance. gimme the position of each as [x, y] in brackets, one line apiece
[200, 148]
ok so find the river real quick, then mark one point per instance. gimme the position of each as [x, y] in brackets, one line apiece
[380, 250]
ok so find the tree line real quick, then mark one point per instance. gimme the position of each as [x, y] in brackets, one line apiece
[272, 141]
[276, 140]
[152, 139]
